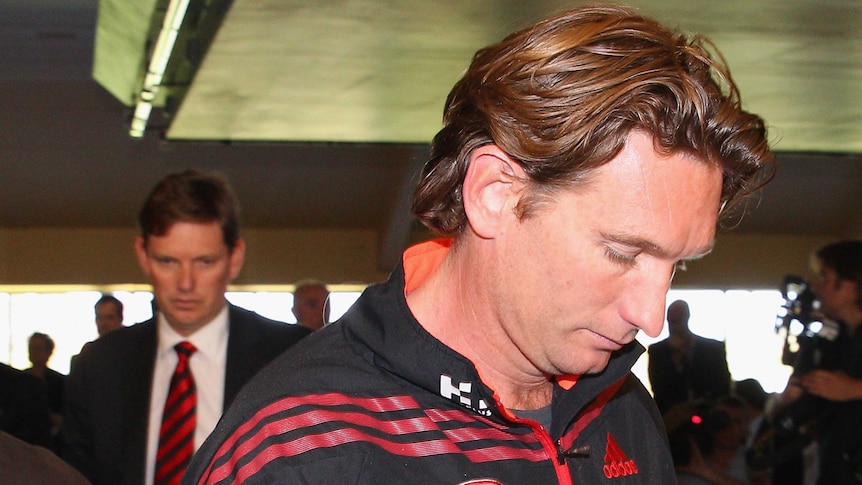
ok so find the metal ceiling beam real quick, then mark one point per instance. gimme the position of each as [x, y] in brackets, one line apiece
[158, 63]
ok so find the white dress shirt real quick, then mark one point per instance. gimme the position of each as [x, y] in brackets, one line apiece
[208, 368]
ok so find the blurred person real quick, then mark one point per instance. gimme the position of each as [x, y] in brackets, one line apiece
[580, 162]
[109, 317]
[754, 397]
[705, 437]
[109, 314]
[166, 381]
[686, 367]
[728, 454]
[40, 348]
[24, 411]
[756, 400]
[838, 428]
[311, 304]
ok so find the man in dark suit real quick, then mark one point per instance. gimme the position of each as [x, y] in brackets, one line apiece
[24, 411]
[190, 250]
[686, 366]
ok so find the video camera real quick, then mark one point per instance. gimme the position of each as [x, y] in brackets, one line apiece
[809, 338]
[809, 343]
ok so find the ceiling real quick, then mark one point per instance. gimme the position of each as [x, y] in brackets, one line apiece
[320, 112]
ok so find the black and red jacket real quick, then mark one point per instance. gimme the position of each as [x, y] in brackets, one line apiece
[375, 399]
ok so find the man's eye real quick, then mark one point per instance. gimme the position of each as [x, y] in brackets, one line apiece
[206, 262]
[620, 258]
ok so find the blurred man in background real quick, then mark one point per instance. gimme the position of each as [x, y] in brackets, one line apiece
[311, 304]
[109, 314]
[839, 425]
[686, 367]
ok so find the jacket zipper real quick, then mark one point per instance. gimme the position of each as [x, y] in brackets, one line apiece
[564, 476]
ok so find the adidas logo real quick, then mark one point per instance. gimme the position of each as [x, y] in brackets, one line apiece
[617, 464]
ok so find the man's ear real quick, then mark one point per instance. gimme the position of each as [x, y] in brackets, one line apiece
[492, 187]
[237, 258]
[141, 254]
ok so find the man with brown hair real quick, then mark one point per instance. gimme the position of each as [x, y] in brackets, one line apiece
[190, 249]
[580, 162]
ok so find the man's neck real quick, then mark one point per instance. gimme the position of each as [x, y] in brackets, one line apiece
[38, 370]
[453, 306]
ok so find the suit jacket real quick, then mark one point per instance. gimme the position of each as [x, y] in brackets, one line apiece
[705, 376]
[108, 391]
[24, 411]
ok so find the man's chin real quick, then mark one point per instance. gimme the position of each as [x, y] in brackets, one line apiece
[183, 321]
[598, 364]
[592, 366]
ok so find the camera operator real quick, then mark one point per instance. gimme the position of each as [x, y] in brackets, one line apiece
[839, 430]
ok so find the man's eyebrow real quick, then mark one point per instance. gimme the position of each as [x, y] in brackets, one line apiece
[652, 247]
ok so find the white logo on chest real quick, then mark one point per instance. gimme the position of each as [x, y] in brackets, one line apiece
[461, 394]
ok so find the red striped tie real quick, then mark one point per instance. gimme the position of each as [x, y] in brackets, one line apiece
[177, 434]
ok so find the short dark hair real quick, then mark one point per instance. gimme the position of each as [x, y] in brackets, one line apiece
[845, 258]
[561, 97]
[750, 391]
[191, 196]
[108, 298]
[49, 342]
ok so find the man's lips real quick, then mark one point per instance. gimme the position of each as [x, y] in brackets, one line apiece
[185, 304]
[607, 343]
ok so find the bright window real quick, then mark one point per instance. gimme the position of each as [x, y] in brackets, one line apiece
[743, 319]
[69, 318]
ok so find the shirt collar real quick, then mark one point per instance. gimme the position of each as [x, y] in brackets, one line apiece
[208, 339]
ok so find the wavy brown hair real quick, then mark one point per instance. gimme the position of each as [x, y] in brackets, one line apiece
[561, 97]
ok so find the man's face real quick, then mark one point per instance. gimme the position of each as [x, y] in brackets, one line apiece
[580, 277]
[189, 267]
[107, 318]
[38, 352]
[310, 306]
[836, 295]
[677, 320]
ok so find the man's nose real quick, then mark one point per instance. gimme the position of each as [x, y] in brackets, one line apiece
[186, 278]
[645, 306]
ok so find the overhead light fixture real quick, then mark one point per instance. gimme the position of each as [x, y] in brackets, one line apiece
[158, 63]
